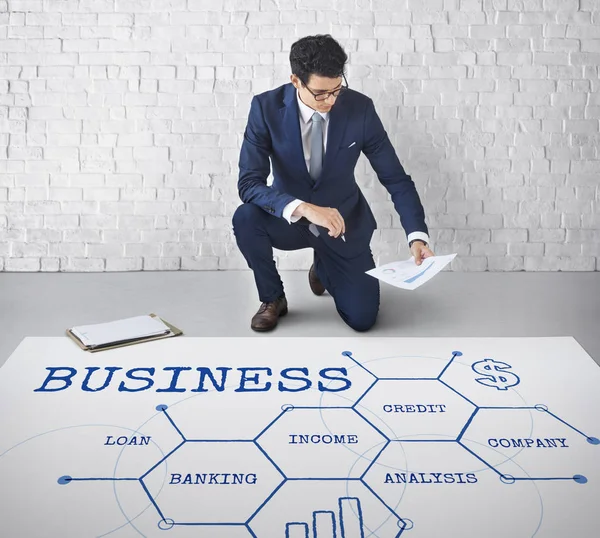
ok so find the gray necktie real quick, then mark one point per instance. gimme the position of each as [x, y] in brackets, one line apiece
[316, 146]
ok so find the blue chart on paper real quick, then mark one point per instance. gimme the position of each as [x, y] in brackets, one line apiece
[419, 275]
[301, 438]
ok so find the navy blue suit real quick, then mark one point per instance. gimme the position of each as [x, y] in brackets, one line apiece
[273, 139]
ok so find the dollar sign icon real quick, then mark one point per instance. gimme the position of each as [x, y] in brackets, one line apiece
[495, 374]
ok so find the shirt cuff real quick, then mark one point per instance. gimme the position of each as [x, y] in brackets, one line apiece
[418, 235]
[289, 209]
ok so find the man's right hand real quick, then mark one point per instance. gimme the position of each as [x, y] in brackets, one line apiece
[327, 217]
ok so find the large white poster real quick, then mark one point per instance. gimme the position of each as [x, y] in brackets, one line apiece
[301, 438]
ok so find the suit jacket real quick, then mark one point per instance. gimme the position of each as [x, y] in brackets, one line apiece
[272, 138]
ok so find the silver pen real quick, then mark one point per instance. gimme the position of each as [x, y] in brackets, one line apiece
[343, 238]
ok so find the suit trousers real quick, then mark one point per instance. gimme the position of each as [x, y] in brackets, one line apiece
[356, 294]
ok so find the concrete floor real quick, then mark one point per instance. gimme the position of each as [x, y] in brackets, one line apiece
[222, 303]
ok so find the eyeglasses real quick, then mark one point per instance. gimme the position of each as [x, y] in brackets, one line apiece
[323, 96]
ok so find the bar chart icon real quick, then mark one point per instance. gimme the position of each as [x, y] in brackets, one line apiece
[324, 524]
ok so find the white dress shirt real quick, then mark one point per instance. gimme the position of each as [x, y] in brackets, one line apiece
[305, 118]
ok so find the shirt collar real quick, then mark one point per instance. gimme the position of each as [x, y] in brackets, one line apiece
[306, 112]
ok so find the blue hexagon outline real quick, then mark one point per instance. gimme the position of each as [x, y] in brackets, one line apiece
[438, 378]
[163, 409]
[401, 521]
[294, 408]
[541, 408]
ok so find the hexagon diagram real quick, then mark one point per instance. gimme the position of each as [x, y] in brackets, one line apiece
[398, 409]
[542, 445]
[357, 510]
[413, 474]
[321, 443]
[213, 485]
[365, 469]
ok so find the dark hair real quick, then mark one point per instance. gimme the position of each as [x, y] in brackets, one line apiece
[319, 55]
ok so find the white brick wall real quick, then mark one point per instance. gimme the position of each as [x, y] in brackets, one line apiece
[121, 122]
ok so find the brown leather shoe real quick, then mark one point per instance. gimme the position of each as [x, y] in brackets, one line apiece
[314, 282]
[268, 315]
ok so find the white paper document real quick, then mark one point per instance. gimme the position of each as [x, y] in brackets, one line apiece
[120, 330]
[407, 274]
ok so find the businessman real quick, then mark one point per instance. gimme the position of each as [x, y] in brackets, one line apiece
[310, 132]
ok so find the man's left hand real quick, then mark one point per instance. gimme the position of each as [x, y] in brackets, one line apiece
[420, 251]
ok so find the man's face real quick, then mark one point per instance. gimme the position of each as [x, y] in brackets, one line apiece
[317, 85]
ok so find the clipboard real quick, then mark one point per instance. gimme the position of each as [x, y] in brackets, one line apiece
[113, 345]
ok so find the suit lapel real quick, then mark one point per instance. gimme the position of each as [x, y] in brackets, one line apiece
[291, 127]
[337, 126]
